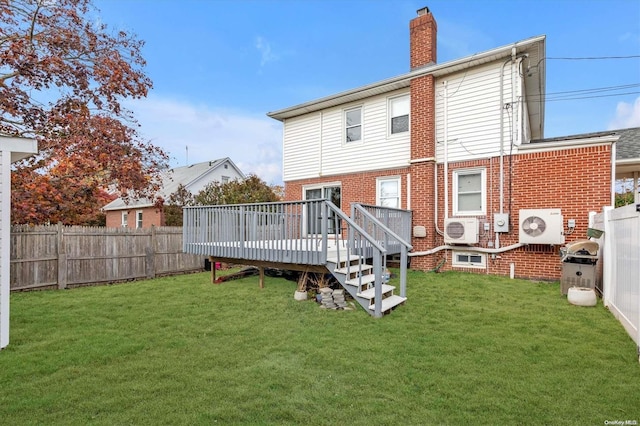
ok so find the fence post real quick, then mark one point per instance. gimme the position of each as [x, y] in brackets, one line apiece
[62, 258]
[150, 254]
[608, 253]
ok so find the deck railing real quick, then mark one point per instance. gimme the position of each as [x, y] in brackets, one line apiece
[376, 221]
[287, 232]
[396, 220]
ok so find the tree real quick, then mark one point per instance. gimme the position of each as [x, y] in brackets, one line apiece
[173, 208]
[250, 190]
[62, 80]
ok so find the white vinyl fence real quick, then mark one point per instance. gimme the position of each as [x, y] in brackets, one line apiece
[620, 258]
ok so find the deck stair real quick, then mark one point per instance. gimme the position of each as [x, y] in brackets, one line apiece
[358, 280]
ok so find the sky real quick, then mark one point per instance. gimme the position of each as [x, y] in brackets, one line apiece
[219, 66]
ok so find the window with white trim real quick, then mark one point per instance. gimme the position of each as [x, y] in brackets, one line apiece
[139, 219]
[388, 192]
[469, 260]
[469, 192]
[399, 114]
[124, 219]
[225, 179]
[353, 124]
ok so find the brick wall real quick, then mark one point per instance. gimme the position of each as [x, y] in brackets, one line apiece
[150, 217]
[576, 180]
[355, 187]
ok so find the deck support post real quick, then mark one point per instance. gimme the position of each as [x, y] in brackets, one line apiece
[213, 269]
[261, 269]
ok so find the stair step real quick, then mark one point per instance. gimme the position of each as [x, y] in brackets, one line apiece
[366, 279]
[354, 269]
[371, 293]
[389, 303]
[342, 259]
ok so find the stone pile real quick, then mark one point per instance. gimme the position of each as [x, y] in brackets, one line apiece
[332, 299]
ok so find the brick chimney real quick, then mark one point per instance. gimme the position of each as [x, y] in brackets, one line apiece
[422, 39]
[422, 33]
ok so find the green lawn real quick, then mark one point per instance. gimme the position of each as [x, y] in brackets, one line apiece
[465, 349]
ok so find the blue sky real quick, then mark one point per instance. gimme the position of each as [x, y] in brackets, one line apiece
[219, 66]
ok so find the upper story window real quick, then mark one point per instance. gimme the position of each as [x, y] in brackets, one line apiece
[353, 124]
[225, 179]
[399, 113]
[469, 196]
[388, 192]
[139, 219]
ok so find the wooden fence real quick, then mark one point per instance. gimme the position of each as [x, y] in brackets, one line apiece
[56, 256]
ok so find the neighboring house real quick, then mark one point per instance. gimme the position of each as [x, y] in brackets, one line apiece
[460, 144]
[628, 158]
[144, 213]
[11, 150]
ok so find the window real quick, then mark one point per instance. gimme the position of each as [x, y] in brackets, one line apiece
[469, 260]
[125, 218]
[469, 192]
[139, 219]
[225, 179]
[388, 192]
[353, 124]
[399, 113]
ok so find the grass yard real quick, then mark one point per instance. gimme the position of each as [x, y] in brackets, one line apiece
[179, 350]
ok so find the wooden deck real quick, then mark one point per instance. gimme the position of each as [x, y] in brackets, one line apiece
[314, 236]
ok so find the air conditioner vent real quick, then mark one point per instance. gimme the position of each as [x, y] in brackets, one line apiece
[461, 230]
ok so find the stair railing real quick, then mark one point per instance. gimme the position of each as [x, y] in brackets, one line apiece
[386, 237]
[357, 241]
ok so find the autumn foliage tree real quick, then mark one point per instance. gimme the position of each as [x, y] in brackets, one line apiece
[63, 78]
[250, 190]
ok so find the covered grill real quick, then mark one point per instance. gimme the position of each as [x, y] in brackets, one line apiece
[579, 259]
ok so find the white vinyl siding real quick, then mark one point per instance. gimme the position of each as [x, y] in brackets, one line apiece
[313, 144]
[301, 147]
[303, 158]
[473, 113]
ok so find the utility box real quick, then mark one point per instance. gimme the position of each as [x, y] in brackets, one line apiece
[579, 260]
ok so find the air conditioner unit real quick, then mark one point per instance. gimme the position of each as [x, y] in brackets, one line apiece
[461, 230]
[541, 226]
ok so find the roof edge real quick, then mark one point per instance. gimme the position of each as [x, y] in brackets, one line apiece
[394, 83]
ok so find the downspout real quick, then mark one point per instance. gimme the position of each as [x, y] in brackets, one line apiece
[445, 108]
[501, 189]
[320, 147]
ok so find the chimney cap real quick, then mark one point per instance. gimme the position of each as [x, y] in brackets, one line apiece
[423, 11]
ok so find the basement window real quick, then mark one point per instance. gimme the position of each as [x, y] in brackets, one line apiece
[469, 260]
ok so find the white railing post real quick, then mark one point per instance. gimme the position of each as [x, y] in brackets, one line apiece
[377, 270]
[403, 271]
